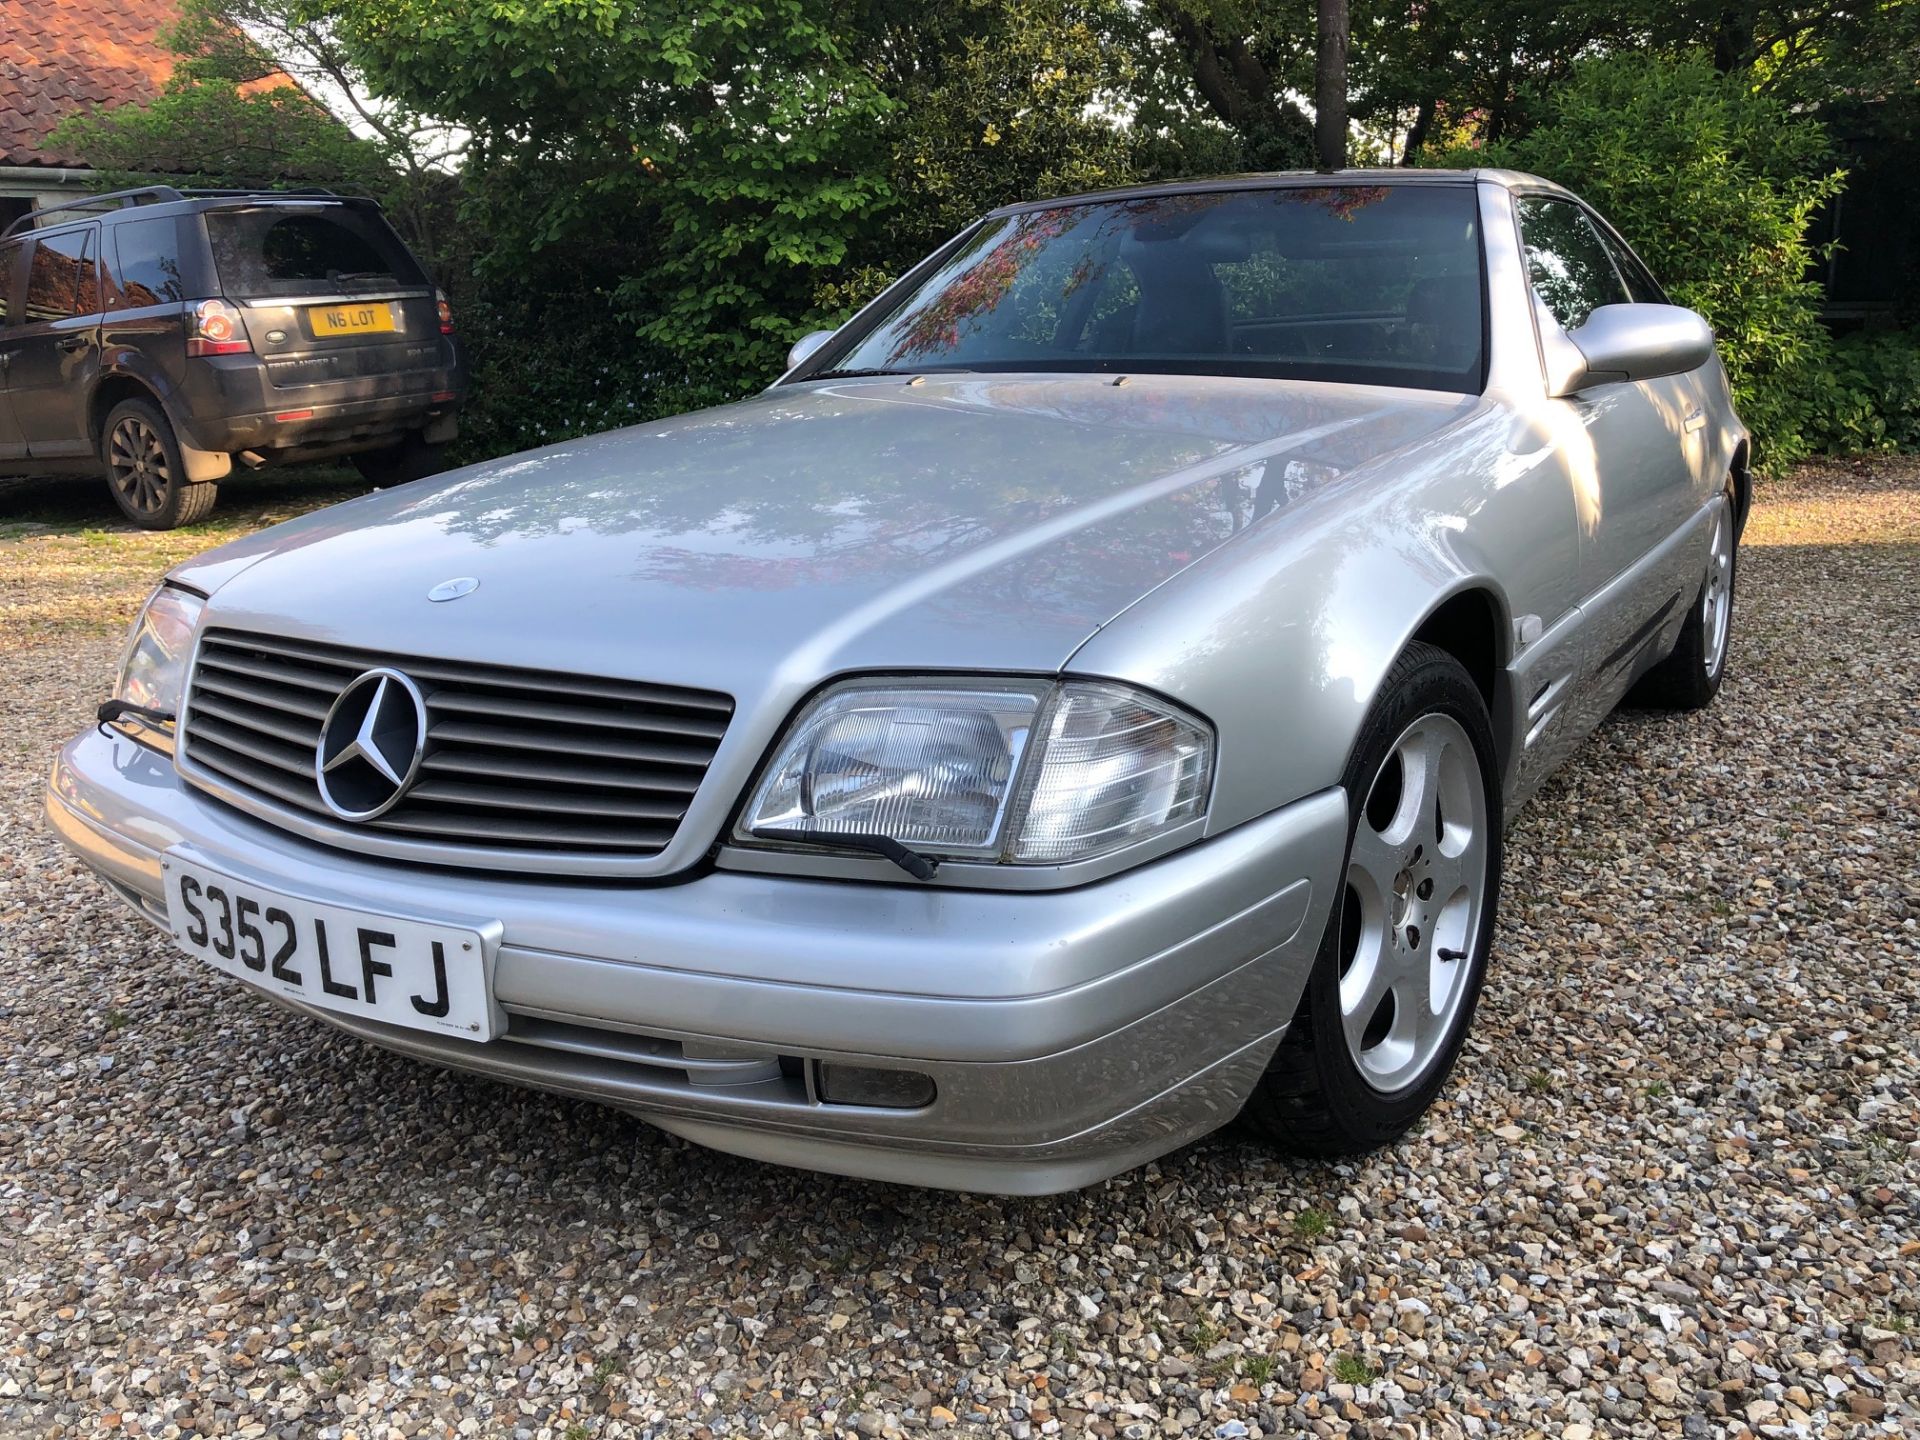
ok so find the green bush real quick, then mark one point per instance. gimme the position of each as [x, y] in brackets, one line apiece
[1868, 398]
[1714, 186]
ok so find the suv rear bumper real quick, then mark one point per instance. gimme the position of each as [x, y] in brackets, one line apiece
[230, 404]
[1069, 1034]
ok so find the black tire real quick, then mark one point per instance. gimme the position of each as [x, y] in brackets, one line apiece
[145, 472]
[1690, 676]
[410, 459]
[1313, 1099]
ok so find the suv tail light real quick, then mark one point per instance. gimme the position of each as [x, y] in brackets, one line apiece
[217, 330]
[446, 312]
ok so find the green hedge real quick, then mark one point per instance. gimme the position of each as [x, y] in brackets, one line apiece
[1714, 185]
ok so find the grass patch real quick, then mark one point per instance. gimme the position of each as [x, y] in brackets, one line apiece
[1257, 1368]
[1202, 1336]
[70, 566]
[1310, 1223]
[1352, 1370]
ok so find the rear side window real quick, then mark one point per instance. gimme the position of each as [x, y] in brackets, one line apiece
[1566, 261]
[63, 278]
[146, 263]
[269, 252]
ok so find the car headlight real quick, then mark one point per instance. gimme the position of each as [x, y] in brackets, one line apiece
[1015, 772]
[153, 670]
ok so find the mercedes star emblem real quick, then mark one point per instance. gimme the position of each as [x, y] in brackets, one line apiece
[371, 744]
[453, 589]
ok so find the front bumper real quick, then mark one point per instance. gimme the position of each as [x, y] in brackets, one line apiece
[1069, 1034]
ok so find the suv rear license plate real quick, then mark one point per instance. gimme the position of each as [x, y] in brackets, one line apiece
[377, 967]
[350, 320]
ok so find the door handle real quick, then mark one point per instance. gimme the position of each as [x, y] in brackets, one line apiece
[71, 343]
[1695, 421]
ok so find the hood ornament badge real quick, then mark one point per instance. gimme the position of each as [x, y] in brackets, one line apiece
[370, 745]
[453, 589]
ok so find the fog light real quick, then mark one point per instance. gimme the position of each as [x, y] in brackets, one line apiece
[864, 1085]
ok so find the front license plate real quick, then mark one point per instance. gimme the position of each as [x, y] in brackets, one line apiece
[350, 320]
[378, 967]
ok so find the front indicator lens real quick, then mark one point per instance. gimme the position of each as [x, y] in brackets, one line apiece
[1038, 775]
[932, 768]
[1117, 766]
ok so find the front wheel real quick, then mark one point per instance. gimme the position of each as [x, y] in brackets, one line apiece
[1399, 970]
[145, 471]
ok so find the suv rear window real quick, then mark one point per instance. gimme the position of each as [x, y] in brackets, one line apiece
[267, 252]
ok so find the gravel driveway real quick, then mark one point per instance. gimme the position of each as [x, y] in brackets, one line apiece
[1672, 1188]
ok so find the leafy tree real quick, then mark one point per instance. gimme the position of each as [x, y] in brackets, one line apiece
[717, 153]
[229, 117]
[1714, 185]
[995, 101]
[213, 134]
[1239, 64]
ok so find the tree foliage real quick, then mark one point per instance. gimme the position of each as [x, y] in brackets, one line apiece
[638, 204]
[1713, 184]
[718, 153]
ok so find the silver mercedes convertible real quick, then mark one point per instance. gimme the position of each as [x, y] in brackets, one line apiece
[1078, 704]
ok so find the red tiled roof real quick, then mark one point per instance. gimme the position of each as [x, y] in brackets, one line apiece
[64, 57]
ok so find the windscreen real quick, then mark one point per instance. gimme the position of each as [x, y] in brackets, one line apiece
[326, 250]
[1369, 284]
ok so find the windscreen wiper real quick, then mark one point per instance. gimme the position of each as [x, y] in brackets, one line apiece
[921, 867]
[114, 711]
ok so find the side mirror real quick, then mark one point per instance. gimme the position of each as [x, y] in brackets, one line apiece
[804, 348]
[1634, 342]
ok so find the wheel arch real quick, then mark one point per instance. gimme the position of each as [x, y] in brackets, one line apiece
[1471, 623]
[132, 376]
[115, 389]
[1741, 476]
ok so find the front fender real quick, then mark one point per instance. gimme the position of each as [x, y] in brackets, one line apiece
[1283, 637]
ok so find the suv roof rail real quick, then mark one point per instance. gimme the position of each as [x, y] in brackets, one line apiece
[257, 192]
[165, 195]
[116, 199]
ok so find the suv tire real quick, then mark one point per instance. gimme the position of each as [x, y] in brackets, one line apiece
[145, 470]
[411, 459]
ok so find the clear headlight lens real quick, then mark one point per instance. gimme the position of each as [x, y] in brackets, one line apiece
[931, 767]
[154, 668]
[1035, 774]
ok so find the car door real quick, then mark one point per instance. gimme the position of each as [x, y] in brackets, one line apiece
[1642, 482]
[55, 350]
[1637, 485]
[13, 445]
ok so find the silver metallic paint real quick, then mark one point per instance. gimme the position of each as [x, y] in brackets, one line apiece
[1258, 551]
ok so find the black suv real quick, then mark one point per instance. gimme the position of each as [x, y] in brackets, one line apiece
[159, 335]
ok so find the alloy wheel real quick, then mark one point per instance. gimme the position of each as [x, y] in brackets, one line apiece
[137, 465]
[1415, 902]
[1716, 597]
